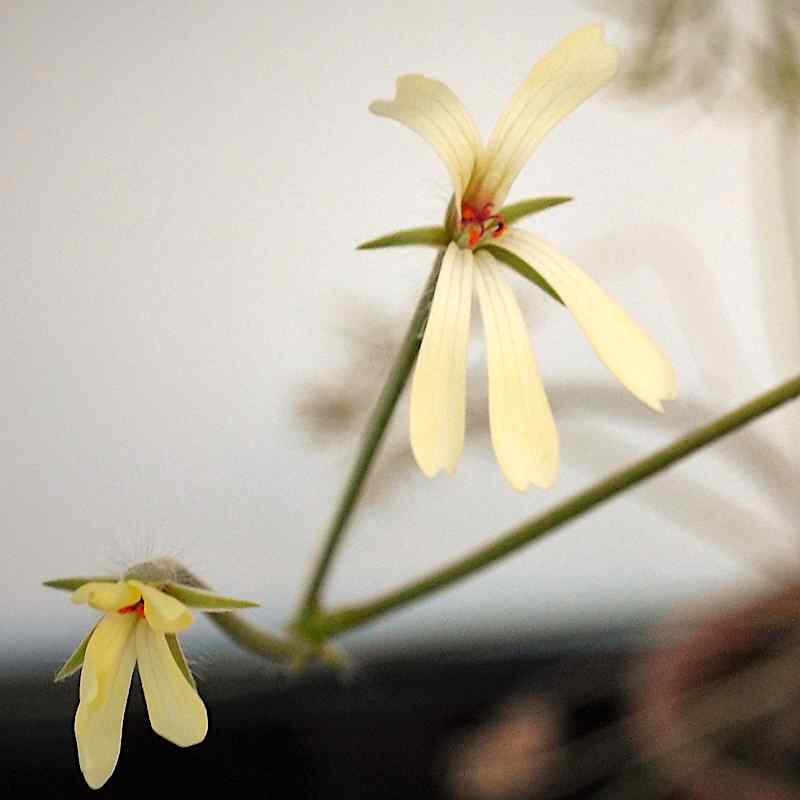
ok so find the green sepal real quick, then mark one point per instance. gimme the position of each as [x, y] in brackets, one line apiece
[75, 661]
[517, 211]
[71, 584]
[204, 600]
[523, 268]
[180, 659]
[432, 236]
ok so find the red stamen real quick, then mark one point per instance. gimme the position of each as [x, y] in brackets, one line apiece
[137, 607]
[477, 221]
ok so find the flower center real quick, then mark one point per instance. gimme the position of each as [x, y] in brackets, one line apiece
[137, 608]
[479, 223]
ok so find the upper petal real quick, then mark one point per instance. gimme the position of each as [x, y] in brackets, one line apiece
[575, 69]
[523, 431]
[175, 709]
[105, 682]
[618, 341]
[431, 109]
[438, 391]
[107, 596]
[164, 613]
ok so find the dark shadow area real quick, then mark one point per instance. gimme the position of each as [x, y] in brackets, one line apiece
[390, 730]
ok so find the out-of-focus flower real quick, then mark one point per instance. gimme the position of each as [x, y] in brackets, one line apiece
[139, 629]
[476, 235]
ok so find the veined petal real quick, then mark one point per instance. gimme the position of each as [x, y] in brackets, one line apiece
[164, 613]
[439, 391]
[523, 431]
[570, 73]
[431, 109]
[107, 596]
[618, 341]
[105, 683]
[175, 709]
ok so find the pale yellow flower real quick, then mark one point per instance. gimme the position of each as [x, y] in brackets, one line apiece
[138, 629]
[523, 432]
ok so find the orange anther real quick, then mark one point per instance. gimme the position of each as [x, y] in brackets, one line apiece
[137, 608]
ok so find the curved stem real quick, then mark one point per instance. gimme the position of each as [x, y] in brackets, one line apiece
[323, 625]
[254, 638]
[266, 644]
[370, 442]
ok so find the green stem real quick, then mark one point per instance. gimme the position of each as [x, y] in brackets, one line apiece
[323, 625]
[370, 442]
[271, 646]
[246, 634]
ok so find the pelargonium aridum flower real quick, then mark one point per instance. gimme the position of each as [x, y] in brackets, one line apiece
[138, 629]
[477, 234]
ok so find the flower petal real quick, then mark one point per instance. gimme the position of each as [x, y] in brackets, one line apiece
[164, 613]
[433, 111]
[438, 391]
[523, 431]
[107, 596]
[105, 683]
[175, 709]
[570, 73]
[618, 341]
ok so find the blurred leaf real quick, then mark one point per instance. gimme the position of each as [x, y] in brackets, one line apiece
[71, 584]
[203, 599]
[432, 236]
[523, 268]
[180, 659]
[75, 661]
[525, 208]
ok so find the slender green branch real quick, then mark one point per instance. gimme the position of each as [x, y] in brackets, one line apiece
[271, 646]
[323, 625]
[372, 437]
[252, 637]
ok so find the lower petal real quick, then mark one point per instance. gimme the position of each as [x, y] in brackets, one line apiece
[438, 391]
[523, 431]
[175, 709]
[105, 683]
[619, 342]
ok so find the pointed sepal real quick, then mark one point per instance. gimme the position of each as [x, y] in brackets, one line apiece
[180, 659]
[203, 599]
[71, 584]
[525, 208]
[75, 661]
[523, 268]
[432, 236]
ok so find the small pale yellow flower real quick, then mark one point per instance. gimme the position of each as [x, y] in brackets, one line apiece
[138, 628]
[522, 428]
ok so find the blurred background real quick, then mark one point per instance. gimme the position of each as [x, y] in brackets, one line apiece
[191, 344]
